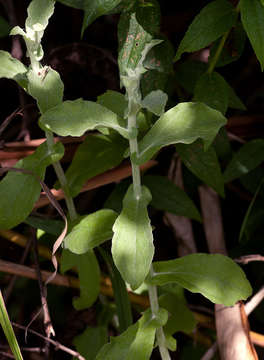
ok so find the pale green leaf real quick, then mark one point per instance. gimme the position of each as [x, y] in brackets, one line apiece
[8, 330]
[184, 123]
[137, 341]
[212, 90]
[169, 197]
[213, 21]
[89, 275]
[94, 156]
[90, 231]
[252, 16]
[215, 276]
[132, 244]
[134, 43]
[114, 101]
[74, 118]
[11, 68]
[90, 341]
[16, 202]
[247, 158]
[203, 164]
[155, 102]
[18, 31]
[39, 12]
[46, 87]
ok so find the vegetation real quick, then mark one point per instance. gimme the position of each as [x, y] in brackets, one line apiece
[172, 107]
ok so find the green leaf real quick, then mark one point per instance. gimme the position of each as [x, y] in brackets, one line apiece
[203, 164]
[233, 48]
[11, 68]
[187, 73]
[114, 101]
[169, 197]
[252, 226]
[96, 8]
[74, 118]
[16, 202]
[4, 27]
[132, 244]
[184, 123]
[94, 156]
[50, 226]
[47, 88]
[90, 231]
[251, 180]
[8, 330]
[247, 158]
[181, 318]
[213, 21]
[92, 9]
[234, 101]
[222, 145]
[147, 15]
[212, 90]
[155, 102]
[114, 201]
[89, 275]
[216, 277]
[121, 299]
[90, 341]
[252, 16]
[137, 341]
[249, 211]
[159, 64]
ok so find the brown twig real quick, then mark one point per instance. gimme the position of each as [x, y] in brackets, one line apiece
[254, 301]
[210, 353]
[12, 282]
[58, 346]
[114, 175]
[7, 355]
[180, 225]
[233, 334]
[7, 121]
[248, 258]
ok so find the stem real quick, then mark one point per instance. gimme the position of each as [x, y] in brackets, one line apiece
[134, 107]
[218, 53]
[221, 45]
[36, 66]
[62, 179]
[154, 305]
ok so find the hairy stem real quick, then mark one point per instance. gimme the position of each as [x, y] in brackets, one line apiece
[36, 67]
[133, 108]
[154, 305]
